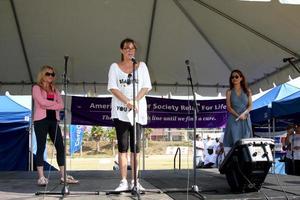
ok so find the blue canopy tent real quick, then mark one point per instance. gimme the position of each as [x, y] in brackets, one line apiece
[287, 108]
[14, 133]
[263, 112]
[262, 107]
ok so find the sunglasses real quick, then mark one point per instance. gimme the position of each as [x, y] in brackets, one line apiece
[235, 77]
[50, 74]
[128, 49]
[129, 79]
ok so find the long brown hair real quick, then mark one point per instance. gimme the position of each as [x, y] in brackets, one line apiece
[42, 74]
[127, 41]
[243, 82]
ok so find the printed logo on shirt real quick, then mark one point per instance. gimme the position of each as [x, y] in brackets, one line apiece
[127, 82]
[122, 108]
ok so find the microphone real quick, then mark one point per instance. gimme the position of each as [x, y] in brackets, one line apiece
[66, 58]
[133, 60]
[187, 62]
[288, 59]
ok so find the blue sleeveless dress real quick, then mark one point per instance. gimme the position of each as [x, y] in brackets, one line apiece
[236, 130]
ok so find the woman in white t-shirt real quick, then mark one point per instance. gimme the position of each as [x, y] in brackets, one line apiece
[120, 84]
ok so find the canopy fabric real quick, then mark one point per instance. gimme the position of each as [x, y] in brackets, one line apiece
[216, 36]
[275, 94]
[288, 107]
[262, 110]
[11, 111]
[14, 145]
[14, 133]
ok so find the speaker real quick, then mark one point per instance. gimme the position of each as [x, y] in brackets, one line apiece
[247, 164]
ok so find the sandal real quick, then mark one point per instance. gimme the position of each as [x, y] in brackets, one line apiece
[42, 181]
[69, 180]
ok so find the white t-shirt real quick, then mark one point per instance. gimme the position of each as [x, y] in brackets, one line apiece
[295, 142]
[117, 79]
[199, 148]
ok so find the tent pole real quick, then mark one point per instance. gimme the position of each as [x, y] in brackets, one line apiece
[143, 136]
[269, 128]
[274, 150]
[30, 163]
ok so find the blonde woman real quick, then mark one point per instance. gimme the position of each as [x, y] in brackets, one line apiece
[47, 104]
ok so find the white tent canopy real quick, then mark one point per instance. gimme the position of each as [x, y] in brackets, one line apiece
[215, 35]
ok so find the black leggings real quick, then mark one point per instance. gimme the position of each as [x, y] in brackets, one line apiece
[124, 130]
[41, 128]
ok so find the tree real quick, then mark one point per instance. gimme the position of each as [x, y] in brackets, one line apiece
[147, 133]
[112, 136]
[97, 132]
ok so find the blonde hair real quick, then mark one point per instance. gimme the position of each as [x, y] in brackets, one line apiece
[41, 75]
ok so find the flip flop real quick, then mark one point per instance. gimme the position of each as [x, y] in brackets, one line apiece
[69, 180]
[42, 181]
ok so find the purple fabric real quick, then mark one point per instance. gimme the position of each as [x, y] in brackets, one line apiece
[162, 113]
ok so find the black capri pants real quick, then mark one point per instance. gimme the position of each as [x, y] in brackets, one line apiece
[125, 132]
[42, 128]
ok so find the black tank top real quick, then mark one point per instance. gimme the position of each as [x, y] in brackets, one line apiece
[50, 114]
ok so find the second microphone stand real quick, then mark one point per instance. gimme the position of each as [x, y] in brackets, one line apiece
[194, 188]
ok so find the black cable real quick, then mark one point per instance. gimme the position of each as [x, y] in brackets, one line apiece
[251, 185]
[281, 190]
[49, 170]
[264, 148]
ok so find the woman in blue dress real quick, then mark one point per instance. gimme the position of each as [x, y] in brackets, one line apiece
[239, 104]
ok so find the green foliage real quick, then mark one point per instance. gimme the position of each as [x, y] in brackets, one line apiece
[97, 132]
[111, 134]
[147, 132]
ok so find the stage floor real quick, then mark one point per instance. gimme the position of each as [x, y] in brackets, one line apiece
[212, 185]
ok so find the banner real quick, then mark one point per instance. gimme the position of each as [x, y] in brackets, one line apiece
[76, 135]
[162, 113]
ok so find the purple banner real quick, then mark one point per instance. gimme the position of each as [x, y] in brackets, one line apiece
[162, 113]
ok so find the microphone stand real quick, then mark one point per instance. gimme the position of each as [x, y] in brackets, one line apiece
[65, 190]
[135, 190]
[194, 188]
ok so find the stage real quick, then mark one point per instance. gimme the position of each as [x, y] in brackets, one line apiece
[213, 185]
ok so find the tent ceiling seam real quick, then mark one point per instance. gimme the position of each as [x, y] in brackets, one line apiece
[151, 30]
[21, 39]
[272, 73]
[248, 28]
[94, 84]
[192, 21]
